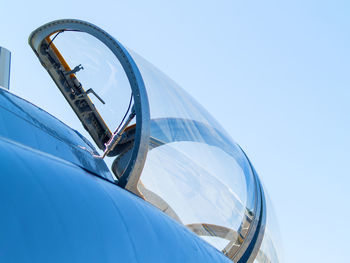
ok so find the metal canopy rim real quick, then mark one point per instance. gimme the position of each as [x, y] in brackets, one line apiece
[141, 104]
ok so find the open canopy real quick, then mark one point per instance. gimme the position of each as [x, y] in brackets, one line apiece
[167, 149]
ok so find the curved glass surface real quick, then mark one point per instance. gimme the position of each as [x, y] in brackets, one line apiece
[194, 166]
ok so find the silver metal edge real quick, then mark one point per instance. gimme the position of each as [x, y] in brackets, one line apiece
[250, 248]
[261, 233]
[140, 149]
[5, 68]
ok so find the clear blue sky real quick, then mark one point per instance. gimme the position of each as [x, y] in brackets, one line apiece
[275, 74]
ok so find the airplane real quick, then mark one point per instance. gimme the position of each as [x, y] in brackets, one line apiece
[178, 189]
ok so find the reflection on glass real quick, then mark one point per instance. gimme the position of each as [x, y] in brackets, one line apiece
[193, 188]
[195, 172]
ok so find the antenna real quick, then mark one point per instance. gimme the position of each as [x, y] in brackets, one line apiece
[5, 65]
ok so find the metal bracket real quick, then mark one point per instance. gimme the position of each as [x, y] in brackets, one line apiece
[75, 70]
[93, 92]
[117, 135]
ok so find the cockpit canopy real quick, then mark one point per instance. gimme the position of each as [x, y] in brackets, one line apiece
[165, 147]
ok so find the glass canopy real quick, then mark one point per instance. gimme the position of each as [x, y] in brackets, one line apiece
[193, 164]
[166, 148]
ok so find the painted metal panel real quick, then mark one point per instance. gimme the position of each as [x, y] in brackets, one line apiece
[27, 124]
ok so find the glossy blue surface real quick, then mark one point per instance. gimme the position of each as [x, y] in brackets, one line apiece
[27, 124]
[54, 211]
